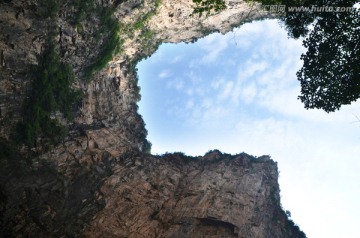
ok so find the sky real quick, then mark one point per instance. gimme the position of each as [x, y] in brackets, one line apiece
[238, 93]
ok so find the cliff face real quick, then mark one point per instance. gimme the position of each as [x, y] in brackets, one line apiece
[138, 195]
[217, 195]
[101, 181]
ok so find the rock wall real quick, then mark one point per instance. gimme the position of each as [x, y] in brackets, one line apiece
[217, 195]
[101, 181]
[174, 21]
[139, 195]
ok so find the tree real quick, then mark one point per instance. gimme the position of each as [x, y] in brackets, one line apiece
[330, 74]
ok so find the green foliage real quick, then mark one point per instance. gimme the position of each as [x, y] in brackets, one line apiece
[208, 6]
[83, 8]
[297, 22]
[147, 34]
[79, 27]
[109, 29]
[157, 4]
[111, 47]
[140, 24]
[109, 26]
[143, 34]
[206, 32]
[266, 2]
[147, 146]
[51, 91]
[51, 8]
[330, 76]
[291, 229]
[136, 87]
[180, 155]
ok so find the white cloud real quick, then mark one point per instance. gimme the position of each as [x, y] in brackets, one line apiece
[207, 103]
[245, 85]
[177, 59]
[175, 83]
[251, 67]
[226, 90]
[255, 109]
[217, 83]
[164, 74]
[194, 78]
[248, 93]
[214, 115]
[213, 45]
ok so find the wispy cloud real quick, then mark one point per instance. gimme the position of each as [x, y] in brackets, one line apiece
[177, 59]
[250, 101]
[175, 83]
[213, 46]
[164, 74]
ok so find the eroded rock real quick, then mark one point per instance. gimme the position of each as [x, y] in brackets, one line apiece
[100, 181]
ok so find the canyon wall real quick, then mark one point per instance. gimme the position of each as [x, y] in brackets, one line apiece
[101, 180]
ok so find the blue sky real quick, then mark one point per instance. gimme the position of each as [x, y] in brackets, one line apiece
[238, 93]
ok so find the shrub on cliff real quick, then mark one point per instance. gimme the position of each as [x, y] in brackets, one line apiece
[208, 6]
[51, 92]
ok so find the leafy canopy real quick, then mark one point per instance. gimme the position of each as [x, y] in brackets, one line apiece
[330, 75]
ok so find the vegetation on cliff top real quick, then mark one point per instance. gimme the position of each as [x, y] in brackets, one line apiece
[208, 6]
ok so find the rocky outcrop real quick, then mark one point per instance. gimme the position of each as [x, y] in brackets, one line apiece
[175, 22]
[137, 195]
[101, 181]
[217, 195]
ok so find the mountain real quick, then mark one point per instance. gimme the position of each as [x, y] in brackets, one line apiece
[74, 157]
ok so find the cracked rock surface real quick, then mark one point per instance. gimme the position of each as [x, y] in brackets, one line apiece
[101, 181]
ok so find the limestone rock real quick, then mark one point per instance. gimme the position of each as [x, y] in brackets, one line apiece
[100, 181]
[177, 196]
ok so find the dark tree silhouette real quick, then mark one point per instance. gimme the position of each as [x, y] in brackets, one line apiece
[330, 76]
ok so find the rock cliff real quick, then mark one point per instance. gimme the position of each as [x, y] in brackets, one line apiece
[101, 181]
